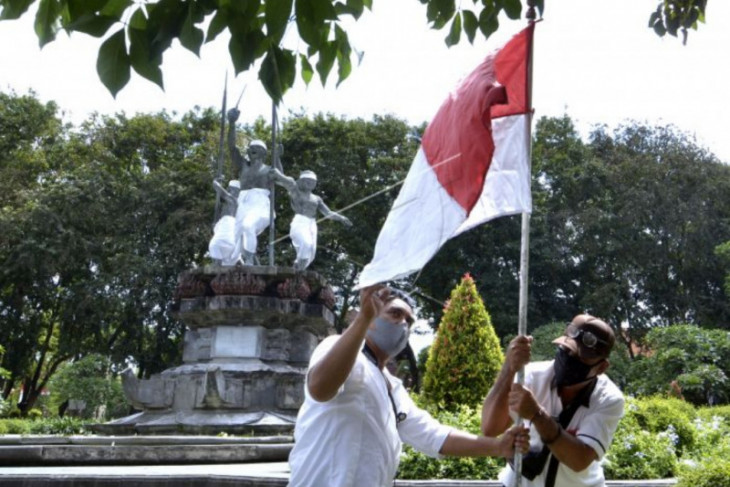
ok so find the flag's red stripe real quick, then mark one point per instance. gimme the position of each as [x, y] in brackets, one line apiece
[461, 130]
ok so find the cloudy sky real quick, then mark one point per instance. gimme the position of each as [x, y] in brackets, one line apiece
[595, 60]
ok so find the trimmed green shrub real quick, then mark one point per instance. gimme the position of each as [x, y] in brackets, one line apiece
[710, 412]
[465, 357]
[48, 426]
[710, 473]
[15, 426]
[665, 415]
[713, 437]
[417, 466]
[639, 454]
[57, 426]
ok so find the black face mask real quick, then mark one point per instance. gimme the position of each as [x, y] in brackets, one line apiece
[569, 370]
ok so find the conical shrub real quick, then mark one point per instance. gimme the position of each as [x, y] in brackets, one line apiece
[465, 357]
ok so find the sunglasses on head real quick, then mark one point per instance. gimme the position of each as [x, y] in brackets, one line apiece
[587, 337]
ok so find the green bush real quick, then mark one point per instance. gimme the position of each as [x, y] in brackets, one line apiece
[710, 473]
[15, 426]
[48, 426]
[710, 412]
[465, 357]
[713, 436]
[665, 415]
[417, 466]
[57, 426]
[639, 454]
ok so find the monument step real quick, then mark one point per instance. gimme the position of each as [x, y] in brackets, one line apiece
[140, 450]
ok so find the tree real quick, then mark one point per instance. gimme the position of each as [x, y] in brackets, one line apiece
[137, 34]
[697, 359]
[723, 252]
[90, 379]
[465, 357]
[95, 232]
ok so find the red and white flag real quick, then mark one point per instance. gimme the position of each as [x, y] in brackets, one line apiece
[472, 165]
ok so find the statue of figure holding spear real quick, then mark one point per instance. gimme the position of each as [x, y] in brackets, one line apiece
[254, 205]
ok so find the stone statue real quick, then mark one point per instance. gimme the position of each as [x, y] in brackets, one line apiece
[223, 244]
[254, 205]
[303, 229]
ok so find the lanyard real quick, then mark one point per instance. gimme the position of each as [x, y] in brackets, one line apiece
[368, 352]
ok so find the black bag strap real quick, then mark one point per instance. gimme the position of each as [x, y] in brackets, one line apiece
[565, 417]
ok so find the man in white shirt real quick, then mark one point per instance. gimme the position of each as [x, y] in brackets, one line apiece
[355, 414]
[573, 408]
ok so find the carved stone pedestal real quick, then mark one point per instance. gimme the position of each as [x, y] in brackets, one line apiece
[249, 334]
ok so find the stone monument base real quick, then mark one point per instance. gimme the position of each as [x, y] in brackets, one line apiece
[250, 332]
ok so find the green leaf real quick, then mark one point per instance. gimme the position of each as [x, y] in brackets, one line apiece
[327, 55]
[138, 20]
[471, 24]
[488, 22]
[81, 8]
[243, 49]
[307, 70]
[112, 63]
[659, 29]
[277, 73]
[343, 55]
[217, 25]
[191, 37]
[141, 59]
[47, 21]
[455, 32]
[115, 8]
[312, 20]
[277, 17]
[440, 11]
[94, 25]
[13, 9]
[513, 8]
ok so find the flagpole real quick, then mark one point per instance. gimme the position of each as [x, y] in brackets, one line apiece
[525, 231]
[221, 149]
[272, 189]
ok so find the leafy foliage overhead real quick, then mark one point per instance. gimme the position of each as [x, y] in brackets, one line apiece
[136, 34]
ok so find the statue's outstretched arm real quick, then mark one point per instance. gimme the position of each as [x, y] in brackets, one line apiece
[332, 215]
[282, 179]
[222, 191]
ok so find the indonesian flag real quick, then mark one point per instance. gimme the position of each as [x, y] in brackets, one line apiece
[472, 165]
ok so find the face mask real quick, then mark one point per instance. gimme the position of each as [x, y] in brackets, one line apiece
[568, 369]
[390, 338]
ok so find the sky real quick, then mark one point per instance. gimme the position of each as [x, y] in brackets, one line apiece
[595, 60]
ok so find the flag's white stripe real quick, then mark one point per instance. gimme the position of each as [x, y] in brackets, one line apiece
[424, 216]
[506, 190]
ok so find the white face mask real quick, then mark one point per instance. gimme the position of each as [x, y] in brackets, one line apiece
[389, 337]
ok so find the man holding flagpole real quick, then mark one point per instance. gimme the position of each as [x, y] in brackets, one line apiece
[356, 415]
[572, 407]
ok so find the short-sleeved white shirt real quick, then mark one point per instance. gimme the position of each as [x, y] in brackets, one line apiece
[593, 425]
[352, 439]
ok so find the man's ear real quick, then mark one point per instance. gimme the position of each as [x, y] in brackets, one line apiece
[603, 366]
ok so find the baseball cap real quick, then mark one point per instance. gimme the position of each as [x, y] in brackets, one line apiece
[588, 336]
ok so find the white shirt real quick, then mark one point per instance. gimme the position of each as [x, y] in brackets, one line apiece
[593, 425]
[352, 440]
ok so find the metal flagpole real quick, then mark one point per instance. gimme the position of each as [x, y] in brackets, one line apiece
[272, 188]
[221, 147]
[525, 240]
